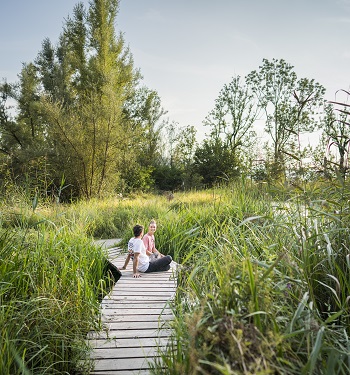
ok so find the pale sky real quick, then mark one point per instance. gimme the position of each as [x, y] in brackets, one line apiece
[188, 49]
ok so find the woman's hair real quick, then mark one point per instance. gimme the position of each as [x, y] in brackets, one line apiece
[137, 230]
[152, 222]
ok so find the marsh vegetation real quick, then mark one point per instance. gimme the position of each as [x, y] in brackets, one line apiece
[264, 284]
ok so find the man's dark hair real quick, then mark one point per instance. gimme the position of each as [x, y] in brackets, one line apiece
[137, 230]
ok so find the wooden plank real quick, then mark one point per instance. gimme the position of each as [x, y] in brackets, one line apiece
[141, 287]
[135, 309]
[134, 352]
[125, 304]
[146, 282]
[130, 284]
[140, 318]
[137, 326]
[116, 372]
[130, 364]
[117, 334]
[151, 308]
[142, 293]
[147, 299]
[126, 342]
[159, 305]
[135, 292]
[137, 315]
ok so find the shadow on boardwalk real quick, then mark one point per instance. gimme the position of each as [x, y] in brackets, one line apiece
[135, 316]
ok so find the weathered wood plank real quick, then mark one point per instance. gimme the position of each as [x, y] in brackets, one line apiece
[134, 352]
[142, 285]
[116, 372]
[135, 305]
[142, 291]
[135, 325]
[130, 364]
[140, 318]
[140, 298]
[139, 313]
[138, 342]
[126, 304]
[117, 334]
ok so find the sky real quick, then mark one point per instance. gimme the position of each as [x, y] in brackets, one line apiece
[187, 50]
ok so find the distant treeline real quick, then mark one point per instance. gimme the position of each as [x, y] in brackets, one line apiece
[83, 124]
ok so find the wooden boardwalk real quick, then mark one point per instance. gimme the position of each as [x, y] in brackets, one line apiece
[136, 319]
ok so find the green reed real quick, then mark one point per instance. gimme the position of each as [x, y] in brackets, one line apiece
[265, 284]
[50, 282]
[263, 287]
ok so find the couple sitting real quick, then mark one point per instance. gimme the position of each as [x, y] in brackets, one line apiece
[146, 258]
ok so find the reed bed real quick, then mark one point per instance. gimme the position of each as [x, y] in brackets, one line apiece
[264, 282]
[51, 281]
[264, 287]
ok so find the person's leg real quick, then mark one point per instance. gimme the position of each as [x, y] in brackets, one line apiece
[161, 264]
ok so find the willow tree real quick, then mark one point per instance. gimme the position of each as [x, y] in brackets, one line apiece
[85, 81]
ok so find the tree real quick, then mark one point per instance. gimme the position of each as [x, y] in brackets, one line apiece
[233, 116]
[336, 134]
[143, 111]
[22, 136]
[168, 170]
[185, 144]
[231, 133]
[84, 84]
[142, 123]
[10, 138]
[289, 104]
[182, 156]
[214, 162]
[82, 112]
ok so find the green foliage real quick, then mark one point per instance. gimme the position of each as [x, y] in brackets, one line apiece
[144, 112]
[263, 285]
[233, 116]
[336, 133]
[214, 162]
[51, 281]
[290, 105]
[81, 113]
[85, 115]
[167, 178]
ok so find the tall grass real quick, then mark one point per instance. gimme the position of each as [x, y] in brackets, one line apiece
[50, 283]
[52, 277]
[263, 287]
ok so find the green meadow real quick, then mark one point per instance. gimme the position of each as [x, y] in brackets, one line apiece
[263, 283]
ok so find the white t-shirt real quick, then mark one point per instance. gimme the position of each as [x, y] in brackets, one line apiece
[136, 245]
